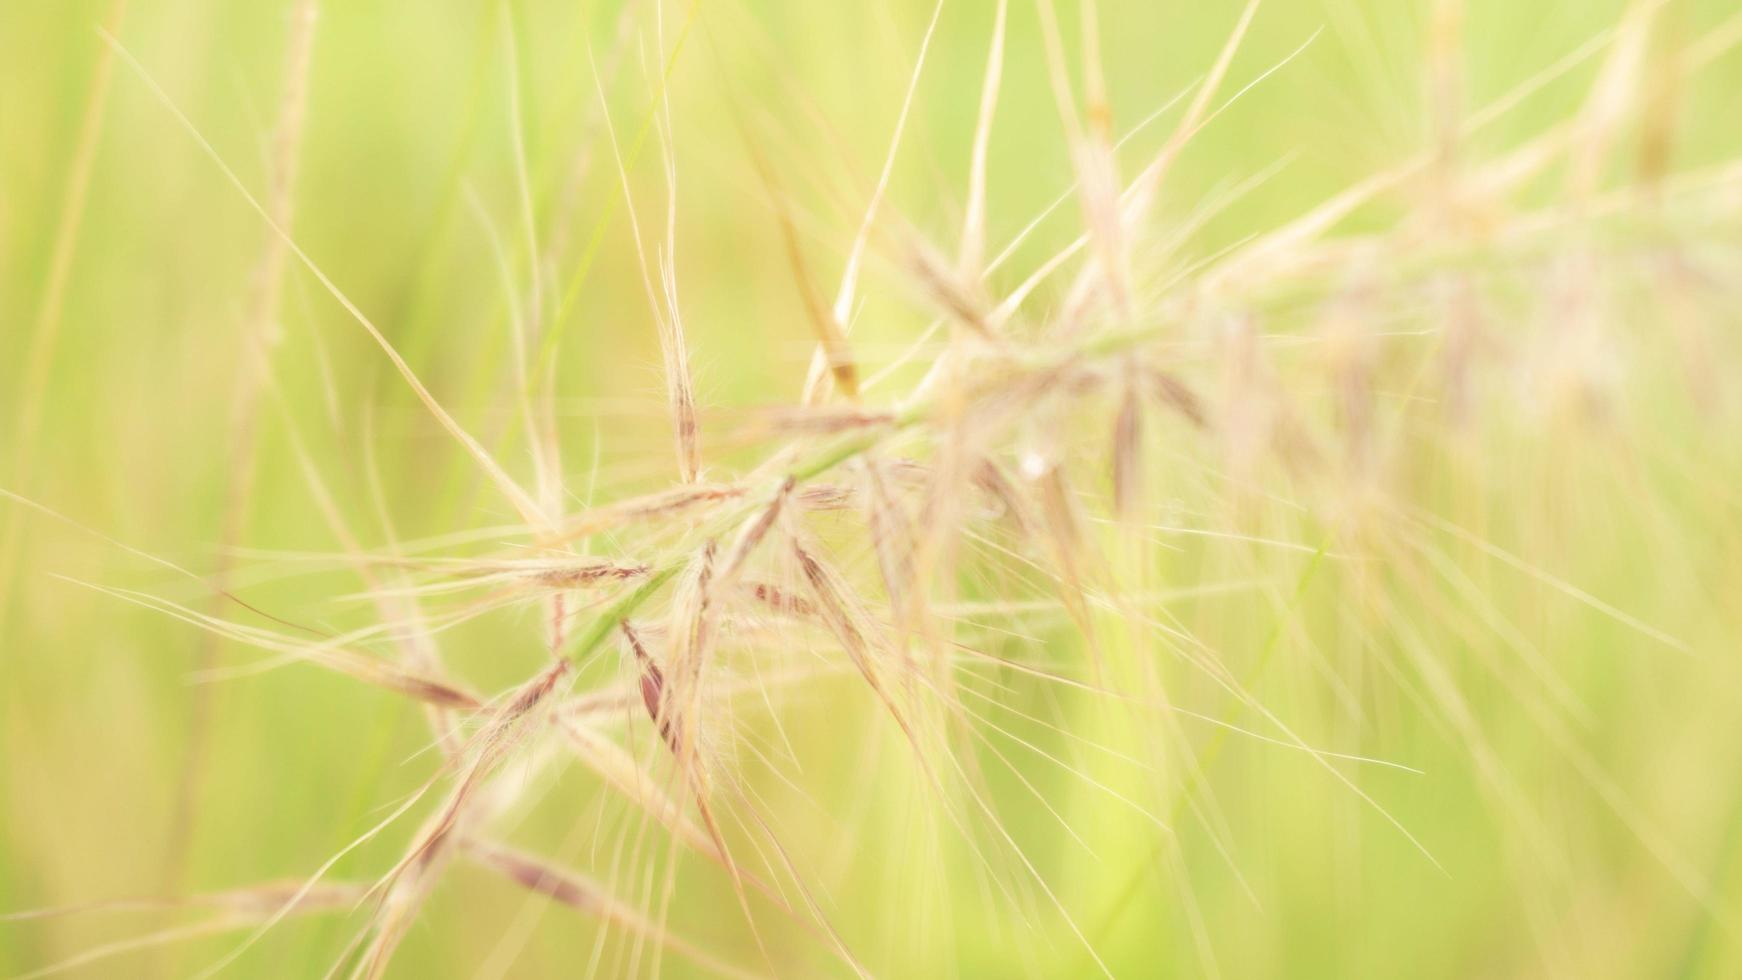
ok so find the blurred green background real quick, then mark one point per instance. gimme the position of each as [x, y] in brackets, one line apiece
[1601, 843]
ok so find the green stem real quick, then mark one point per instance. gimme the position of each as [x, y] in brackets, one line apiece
[590, 639]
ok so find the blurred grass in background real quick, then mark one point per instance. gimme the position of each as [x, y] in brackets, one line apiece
[1613, 856]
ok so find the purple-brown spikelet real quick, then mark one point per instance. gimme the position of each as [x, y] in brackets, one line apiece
[1061, 528]
[652, 684]
[824, 420]
[1172, 392]
[891, 538]
[689, 624]
[571, 574]
[576, 891]
[991, 479]
[827, 497]
[840, 614]
[432, 692]
[656, 506]
[953, 296]
[781, 600]
[752, 533]
[1127, 452]
[406, 887]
